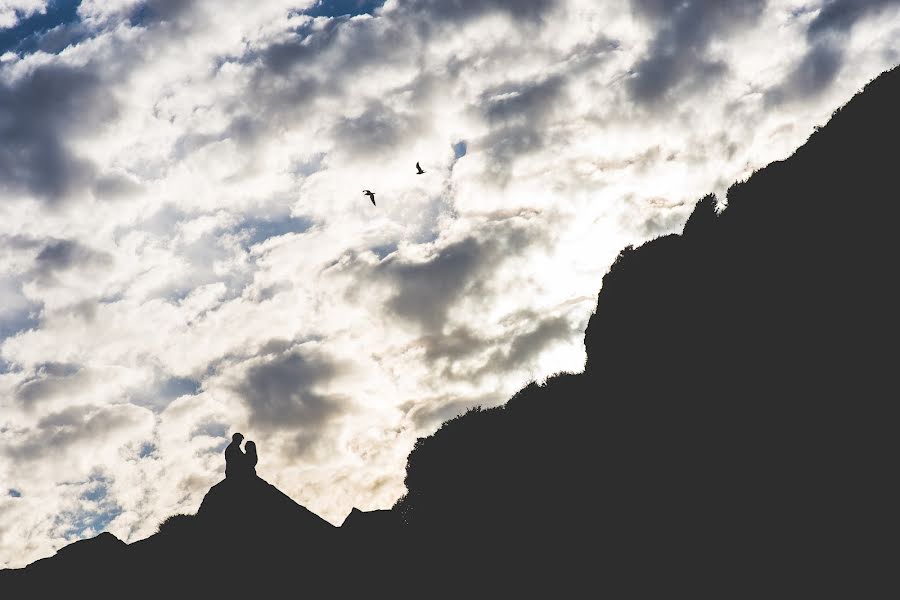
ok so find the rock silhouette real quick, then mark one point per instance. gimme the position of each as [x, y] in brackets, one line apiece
[732, 432]
[257, 508]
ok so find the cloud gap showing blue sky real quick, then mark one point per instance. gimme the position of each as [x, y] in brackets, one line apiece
[26, 36]
[337, 8]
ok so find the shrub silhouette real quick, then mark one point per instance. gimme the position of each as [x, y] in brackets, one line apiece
[731, 416]
[178, 524]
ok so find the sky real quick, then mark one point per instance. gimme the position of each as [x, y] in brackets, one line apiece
[185, 250]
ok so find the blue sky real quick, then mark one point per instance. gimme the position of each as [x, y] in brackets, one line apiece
[26, 35]
[335, 8]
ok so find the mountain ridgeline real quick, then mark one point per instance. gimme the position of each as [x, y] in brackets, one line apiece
[732, 432]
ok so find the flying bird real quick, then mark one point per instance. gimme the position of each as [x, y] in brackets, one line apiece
[419, 169]
[371, 196]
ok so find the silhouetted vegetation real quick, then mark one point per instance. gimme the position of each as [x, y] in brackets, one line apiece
[731, 434]
[732, 424]
[179, 524]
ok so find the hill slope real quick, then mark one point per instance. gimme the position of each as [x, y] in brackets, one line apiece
[734, 421]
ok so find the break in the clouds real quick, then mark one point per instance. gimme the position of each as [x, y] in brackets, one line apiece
[12, 11]
[185, 250]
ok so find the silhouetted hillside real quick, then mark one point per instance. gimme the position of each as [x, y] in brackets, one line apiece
[733, 426]
[259, 507]
[731, 434]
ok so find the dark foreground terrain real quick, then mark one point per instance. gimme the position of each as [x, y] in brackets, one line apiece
[733, 432]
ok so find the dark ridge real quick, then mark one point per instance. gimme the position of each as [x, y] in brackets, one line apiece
[223, 508]
[732, 433]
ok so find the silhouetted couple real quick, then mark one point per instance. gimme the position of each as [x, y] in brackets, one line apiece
[240, 464]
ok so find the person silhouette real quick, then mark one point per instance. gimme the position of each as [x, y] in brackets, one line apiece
[251, 458]
[235, 459]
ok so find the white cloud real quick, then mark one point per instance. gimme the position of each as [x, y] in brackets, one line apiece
[185, 250]
[12, 11]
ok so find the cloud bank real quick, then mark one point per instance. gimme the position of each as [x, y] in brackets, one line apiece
[185, 250]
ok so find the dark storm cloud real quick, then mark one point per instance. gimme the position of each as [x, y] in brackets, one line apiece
[426, 290]
[152, 12]
[57, 432]
[521, 102]
[377, 127]
[517, 113]
[464, 10]
[823, 61]
[115, 186]
[62, 255]
[302, 47]
[37, 112]
[53, 255]
[515, 349]
[328, 62]
[286, 98]
[506, 144]
[841, 15]
[18, 242]
[49, 380]
[527, 346]
[677, 52]
[706, 11]
[245, 130]
[344, 46]
[459, 343]
[813, 74]
[537, 334]
[275, 346]
[283, 394]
